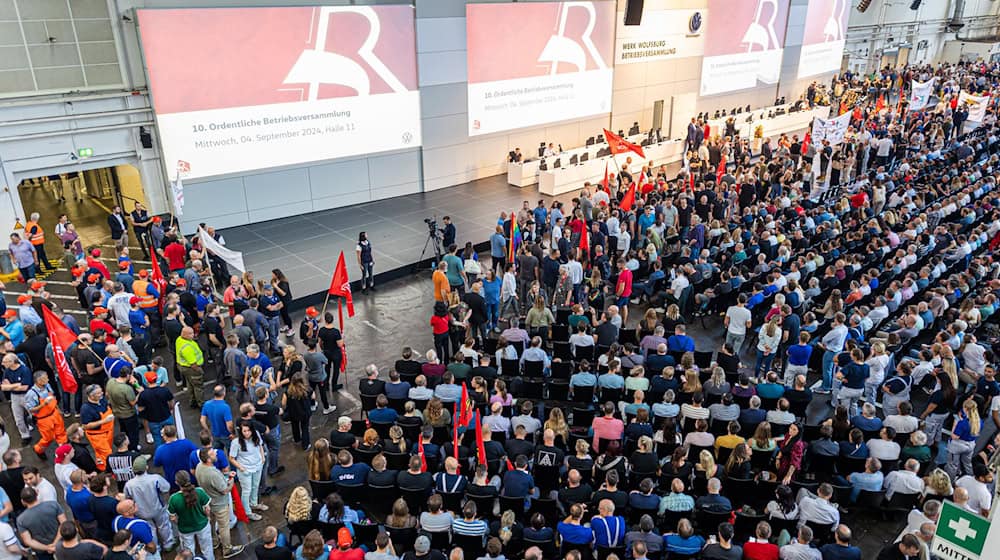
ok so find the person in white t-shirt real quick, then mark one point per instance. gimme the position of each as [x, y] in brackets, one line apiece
[980, 497]
[11, 549]
[738, 320]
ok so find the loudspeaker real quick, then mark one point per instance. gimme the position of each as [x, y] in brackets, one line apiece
[915, 5]
[633, 12]
[145, 137]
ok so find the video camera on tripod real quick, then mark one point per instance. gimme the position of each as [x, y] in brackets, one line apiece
[434, 237]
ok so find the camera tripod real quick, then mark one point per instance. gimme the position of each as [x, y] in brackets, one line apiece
[432, 241]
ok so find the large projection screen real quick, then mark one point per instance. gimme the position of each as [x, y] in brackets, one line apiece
[537, 63]
[824, 38]
[236, 89]
[744, 44]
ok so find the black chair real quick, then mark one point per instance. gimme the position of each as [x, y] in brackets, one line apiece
[561, 370]
[471, 545]
[583, 395]
[900, 503]
[440, 540]
[484, 504]
[322, 488]
[746, 525]
[708, 521]
[416, 500]
[378, 499]
[382, 428]
[558, 390]
[868, 500]
[510, 367]
[397, 461]
[822, 532]
[547, 507]
[398, 405]
[581, 417]
[583, 353]
[352, 493]
[402, 539]
[452, 501]
[300, 529]
[703, 359]
[358, 428]
[329, 530]
[363, 455]
[548, 547]
[365, 533]
[672, 518]
[561, 349]
[513, 504]
[533, 368]
[367, 403]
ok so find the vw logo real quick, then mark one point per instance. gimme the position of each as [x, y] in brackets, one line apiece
[695, 23]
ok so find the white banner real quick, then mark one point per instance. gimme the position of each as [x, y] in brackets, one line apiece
[920, 94]
[233, 258]
[663, 34]
[831, 130]
[975, 105]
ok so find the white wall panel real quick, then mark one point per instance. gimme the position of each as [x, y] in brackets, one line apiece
[261, 211]
[445, 99]
[394, 169]
[441, 67]
[279, 187]
[330, 179]
[440, 34]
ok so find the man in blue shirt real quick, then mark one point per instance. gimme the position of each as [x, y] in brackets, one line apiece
[608, 528]
[271, 308]
[680, 342]
[756, 297]
[17, 379]
[518, 483]
[871, 479]
[841, 548]
[771, 388]
[713, 501]
[217, 417]
[347, 472]
[448, 391]
[174, 455]
[382, 413]
[257, 358]
[141, 530]
[395, 388]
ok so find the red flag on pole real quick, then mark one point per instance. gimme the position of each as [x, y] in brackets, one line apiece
[629, 199]
[480, 446]
[691, 183]
[340, 286]
[420, 451]
[805, 143]
[619, 145]
[159, 282]
[61, 338]
[605, 181]
[722, 169]
[585, 242]
[454, 428]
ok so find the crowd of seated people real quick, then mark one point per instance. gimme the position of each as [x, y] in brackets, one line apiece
[854, 377]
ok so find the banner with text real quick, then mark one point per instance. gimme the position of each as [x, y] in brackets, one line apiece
[920, 94]
[663, 35]
[824, 38]
[536, 63]
[976, 106]
[744, 44]
[236, 89]
[832, 130]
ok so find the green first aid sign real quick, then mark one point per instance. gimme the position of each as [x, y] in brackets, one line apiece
[960, 534]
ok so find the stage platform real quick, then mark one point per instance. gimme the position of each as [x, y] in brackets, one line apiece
[306, 247]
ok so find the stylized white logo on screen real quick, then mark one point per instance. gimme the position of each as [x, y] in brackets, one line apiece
[560, 48]
[317, 66]
[760, 33]
[833, 30]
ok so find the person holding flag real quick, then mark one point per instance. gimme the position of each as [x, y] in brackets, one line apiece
[331, 340]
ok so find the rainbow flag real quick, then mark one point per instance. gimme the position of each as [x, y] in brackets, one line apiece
[515, 236]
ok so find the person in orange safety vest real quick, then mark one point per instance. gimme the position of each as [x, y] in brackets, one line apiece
[42, 403]
[99, 424]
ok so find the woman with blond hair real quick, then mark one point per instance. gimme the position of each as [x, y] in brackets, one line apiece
[637, 380]
[938, 483]
[557, 423]
[963, 439]
[299, 506]
[319, 460]
[400, 518]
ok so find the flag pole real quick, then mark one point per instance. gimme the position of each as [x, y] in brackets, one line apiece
[325, 301]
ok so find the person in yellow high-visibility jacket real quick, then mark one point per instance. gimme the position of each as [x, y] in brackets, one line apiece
[190, 362]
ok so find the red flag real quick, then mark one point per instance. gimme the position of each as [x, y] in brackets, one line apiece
[585, 244]
[619, 145]
[510, 466]
[465, 414]
[629, 199]
[480, 446]
[454, 428]
[420, 451]
[238, 509]
[805, 143]
[605, 181]
[340, 285]
[691, 183]
[722, 169]
[159, 282]
[61, 338]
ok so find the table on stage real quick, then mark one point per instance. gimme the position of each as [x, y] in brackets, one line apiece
[773, 126]
[568, 178]
[525, 173]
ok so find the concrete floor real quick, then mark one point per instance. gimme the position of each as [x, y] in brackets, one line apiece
[396, 316]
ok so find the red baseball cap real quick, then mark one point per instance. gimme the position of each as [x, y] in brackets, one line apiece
[133, 300]
[312, 311]
[62, 451]
[143, 273]
[37, 285]
[10, 314]
[181, 282]
[95, 253]
[94, 277]
[23, 299]
[99, 311]
[77, 271]
[124, 265]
